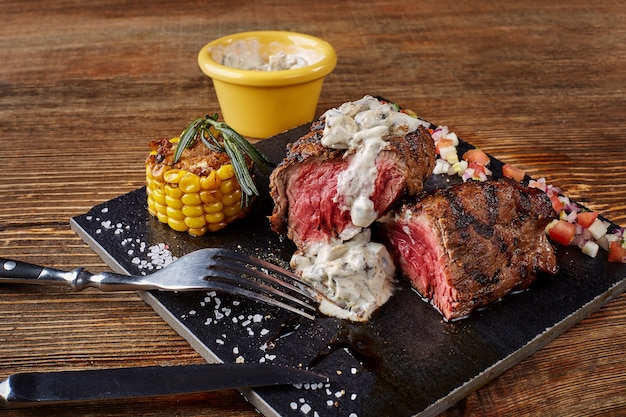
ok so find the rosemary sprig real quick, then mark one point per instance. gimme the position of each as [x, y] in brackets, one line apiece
[235, 146]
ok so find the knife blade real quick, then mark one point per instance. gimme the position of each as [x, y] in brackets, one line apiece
[43, 388]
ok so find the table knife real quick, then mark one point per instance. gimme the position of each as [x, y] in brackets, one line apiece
[43, 388]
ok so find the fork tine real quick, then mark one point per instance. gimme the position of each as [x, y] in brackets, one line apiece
[249, 283]
[258, 262]
[249, 277]
[254, 266]
[248, 272]
[258, 296]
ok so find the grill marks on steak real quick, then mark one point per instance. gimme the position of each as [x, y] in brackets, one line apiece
[470, 244]
[307, 207]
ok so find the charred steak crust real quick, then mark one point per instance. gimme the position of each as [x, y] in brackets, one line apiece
[476, 242]
[403, 167]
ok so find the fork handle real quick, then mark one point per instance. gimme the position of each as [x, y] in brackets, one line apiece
[17, 272]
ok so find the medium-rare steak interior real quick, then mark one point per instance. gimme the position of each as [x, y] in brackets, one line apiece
[357, 162]
[322, 193]
[470, 244]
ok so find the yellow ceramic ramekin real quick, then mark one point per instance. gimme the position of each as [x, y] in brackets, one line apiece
[260, 104]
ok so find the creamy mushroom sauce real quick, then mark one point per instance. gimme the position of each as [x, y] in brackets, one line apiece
[249, 55]
[362, 128]
[354, 277]
[353, 273]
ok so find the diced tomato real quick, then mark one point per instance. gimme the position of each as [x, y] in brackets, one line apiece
[513, 172]
[476, 155]
[617, 253]
[478, 168]
[443, 143]
[586, 218]
[556, 203]
[562, 232]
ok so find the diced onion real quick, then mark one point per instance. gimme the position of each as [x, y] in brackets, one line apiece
[597, 229]
[590, 248]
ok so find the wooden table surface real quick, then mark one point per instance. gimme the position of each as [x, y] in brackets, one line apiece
[84, 86]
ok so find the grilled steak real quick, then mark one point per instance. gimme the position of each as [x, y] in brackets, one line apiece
[308, 207]
[470, 244]
[356, 163]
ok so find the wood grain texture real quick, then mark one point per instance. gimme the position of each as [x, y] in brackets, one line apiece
[84, 86]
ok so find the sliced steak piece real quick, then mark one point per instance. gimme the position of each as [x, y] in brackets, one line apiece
[470, 244]
[307, 205]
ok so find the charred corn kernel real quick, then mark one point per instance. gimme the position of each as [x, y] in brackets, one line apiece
[214, 218]
[210, 182]
[191, 199]
[225, 172]
[193, 203]
[232, 198]
[213, 208]
[189, 183]
[193, 211]
[156, 172]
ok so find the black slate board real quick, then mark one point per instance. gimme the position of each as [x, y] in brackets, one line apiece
[406, 361]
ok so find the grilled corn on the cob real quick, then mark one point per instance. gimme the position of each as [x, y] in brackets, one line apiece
[193, 202]
[194, 186]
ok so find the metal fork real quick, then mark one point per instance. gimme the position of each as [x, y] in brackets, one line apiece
[209, 269]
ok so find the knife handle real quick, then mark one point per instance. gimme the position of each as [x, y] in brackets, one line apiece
[17, 272]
